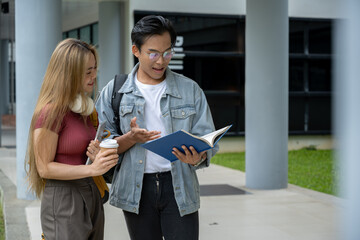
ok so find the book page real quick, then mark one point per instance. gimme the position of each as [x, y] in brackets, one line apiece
[210, 137]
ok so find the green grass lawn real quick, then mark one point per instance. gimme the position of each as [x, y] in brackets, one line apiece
[308, 168]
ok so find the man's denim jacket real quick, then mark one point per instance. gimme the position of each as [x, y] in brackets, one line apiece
[183, 106]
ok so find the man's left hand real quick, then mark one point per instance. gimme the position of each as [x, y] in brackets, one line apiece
[191, 156]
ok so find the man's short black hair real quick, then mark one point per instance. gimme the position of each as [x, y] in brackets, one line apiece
[149, 26]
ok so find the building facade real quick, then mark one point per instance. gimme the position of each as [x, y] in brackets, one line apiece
[210, 49]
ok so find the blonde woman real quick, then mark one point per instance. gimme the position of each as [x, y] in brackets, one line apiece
[59, 137]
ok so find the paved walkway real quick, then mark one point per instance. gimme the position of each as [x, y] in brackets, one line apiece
[228, 211]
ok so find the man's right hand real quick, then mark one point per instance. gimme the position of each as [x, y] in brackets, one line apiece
[135, 135]
[142, 135]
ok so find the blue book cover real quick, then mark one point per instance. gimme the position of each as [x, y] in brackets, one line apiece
[163, 146]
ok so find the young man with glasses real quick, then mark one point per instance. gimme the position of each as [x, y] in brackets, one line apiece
[159, 198]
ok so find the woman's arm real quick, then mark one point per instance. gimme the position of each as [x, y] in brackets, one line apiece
[48, 169]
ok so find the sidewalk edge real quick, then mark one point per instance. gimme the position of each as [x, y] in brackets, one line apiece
[16, 226]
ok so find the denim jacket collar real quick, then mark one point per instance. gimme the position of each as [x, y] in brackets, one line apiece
[171, 87]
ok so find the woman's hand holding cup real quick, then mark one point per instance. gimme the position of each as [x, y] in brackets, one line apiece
[106, 158]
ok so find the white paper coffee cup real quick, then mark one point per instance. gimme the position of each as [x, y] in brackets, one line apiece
[108, 144]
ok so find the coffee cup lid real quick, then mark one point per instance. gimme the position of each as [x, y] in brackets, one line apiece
[109, 143]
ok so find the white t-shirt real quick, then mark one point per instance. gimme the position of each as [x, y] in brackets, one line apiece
[153, 121]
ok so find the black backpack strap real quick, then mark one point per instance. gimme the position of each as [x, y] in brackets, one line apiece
[119, 80]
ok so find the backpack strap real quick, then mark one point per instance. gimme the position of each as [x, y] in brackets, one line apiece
[119, 80]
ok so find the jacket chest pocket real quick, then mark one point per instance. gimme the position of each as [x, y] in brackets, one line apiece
[182, 117]
[126, 114]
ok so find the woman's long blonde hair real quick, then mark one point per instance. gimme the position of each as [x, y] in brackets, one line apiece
[62, 83]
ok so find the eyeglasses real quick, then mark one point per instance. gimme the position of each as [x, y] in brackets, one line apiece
[154, 56]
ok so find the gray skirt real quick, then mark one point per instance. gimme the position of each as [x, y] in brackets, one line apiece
[72, 210]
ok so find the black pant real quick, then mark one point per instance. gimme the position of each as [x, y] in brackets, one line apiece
[159, 214]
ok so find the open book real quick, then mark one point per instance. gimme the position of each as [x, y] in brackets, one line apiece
[163, 146]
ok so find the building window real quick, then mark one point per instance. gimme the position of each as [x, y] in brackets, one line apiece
[95, 34]
[211, 51]
[310, 76]
[87, 34]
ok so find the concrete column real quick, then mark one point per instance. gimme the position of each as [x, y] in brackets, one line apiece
[347, 114]
[37, 31]
[266, 93]
[4, 80]
[111, 38]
